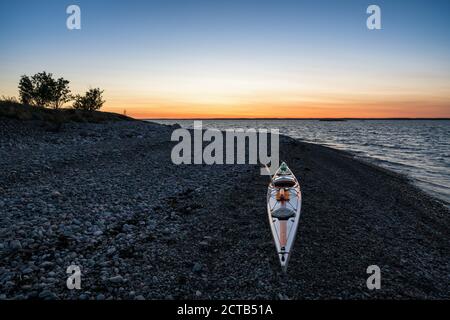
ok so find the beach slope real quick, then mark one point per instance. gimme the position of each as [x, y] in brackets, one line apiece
[106, 197]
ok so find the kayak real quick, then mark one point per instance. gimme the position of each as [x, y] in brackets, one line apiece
[284, 202]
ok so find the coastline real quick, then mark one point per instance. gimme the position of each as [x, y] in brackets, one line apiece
[424, 166]
[107, 197]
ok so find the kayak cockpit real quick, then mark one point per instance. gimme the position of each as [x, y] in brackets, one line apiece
[283, 214]
[284, 182]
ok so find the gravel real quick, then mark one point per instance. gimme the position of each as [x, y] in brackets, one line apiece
[106, 197]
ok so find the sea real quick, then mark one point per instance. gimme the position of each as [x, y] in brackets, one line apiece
[419, 149]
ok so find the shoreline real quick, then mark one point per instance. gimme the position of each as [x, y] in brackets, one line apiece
[368, 160]
[107, 197]
[425, 184]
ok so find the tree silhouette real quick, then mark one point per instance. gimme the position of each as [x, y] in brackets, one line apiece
[44, 91]
[43, 84]
[26, 90]
[61, 93]
[91, 101]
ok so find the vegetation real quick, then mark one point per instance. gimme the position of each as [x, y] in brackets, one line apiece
[91, 101]
[12, 108]
[5, 99]
[42, 97]
[42, 90]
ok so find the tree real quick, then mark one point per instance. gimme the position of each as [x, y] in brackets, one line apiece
[44, 86]
[91, 101]
[44, 91]
[61, 93]
[26, 90]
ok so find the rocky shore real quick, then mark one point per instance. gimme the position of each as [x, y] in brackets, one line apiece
[106, 197]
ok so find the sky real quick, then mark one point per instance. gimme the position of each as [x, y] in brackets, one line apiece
[238, 58]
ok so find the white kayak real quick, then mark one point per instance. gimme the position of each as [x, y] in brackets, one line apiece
[284, 203]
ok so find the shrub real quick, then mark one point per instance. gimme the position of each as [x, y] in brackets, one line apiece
[91, 101]
[43, 85]
[42, 90]
[8, 100]
[61, 93]
[26, 90]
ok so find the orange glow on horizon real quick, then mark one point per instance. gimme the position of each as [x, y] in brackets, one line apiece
[393, 109]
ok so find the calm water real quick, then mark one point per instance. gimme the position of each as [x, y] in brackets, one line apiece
[418, 148]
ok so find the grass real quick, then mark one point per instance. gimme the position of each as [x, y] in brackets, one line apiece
[11, 108]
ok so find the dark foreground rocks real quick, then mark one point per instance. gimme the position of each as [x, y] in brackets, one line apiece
[106, 197]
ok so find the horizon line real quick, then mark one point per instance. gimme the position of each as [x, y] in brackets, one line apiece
[326, 119]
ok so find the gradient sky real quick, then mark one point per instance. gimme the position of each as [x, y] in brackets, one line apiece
[226, 58]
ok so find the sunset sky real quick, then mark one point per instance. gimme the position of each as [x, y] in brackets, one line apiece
[238, 58]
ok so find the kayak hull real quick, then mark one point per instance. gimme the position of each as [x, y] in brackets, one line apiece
[284, 213]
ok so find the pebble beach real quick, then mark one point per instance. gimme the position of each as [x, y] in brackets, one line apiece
[107, 197]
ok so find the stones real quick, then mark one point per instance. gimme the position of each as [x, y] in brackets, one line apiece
[116, 279]
[46, 264]
[56, 194]
[197, 268]
[47, 295]
[127, 228]
[83, 296]
[15, 245]
[282, 296]
[27, 271]
[132, 240]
